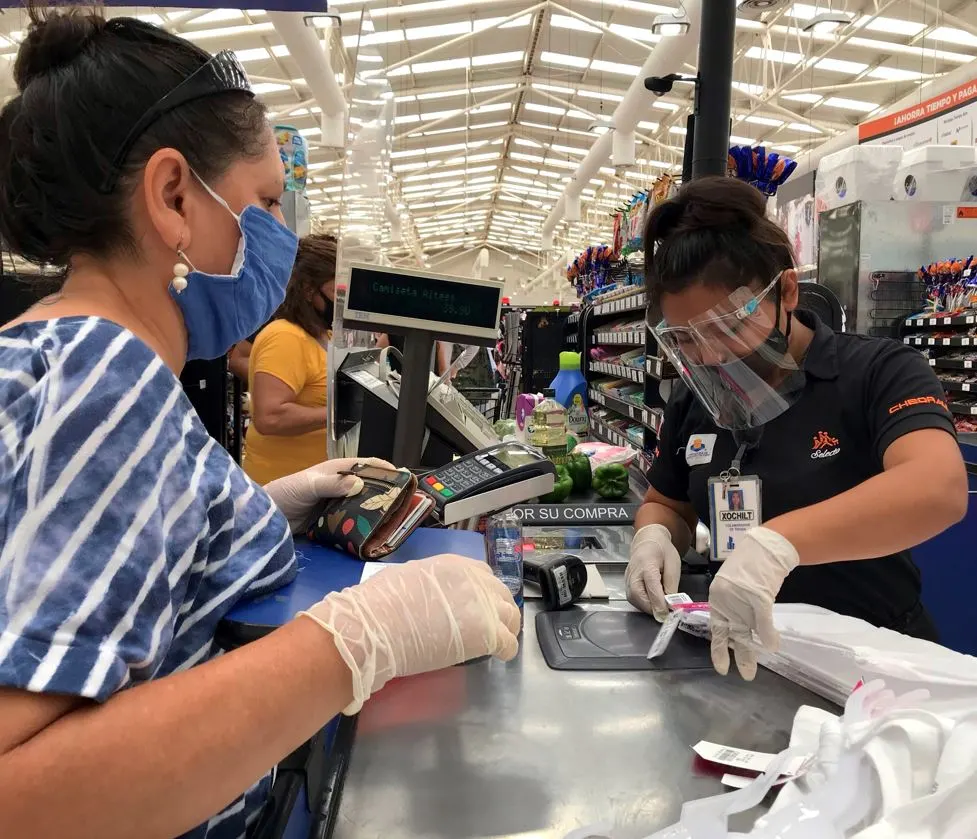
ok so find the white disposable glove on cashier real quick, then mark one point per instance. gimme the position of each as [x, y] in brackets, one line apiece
[418, 617]
[298, 494]
[741, 599]
[653, 570]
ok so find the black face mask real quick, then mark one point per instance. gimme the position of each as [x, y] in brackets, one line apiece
[775, 346]
[328, 313]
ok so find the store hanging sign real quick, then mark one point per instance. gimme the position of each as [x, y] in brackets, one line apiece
[949, 119]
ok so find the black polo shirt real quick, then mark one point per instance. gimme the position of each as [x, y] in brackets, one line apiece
[861, 394]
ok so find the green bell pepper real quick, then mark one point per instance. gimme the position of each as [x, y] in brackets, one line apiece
[561, 488]
[611, 481]
[578, 465]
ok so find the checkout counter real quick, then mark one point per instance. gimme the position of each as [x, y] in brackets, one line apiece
[493, 749]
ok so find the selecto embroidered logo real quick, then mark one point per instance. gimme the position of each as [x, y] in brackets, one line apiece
[824, 446]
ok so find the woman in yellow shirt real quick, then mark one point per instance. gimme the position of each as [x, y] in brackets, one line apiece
[287, 370]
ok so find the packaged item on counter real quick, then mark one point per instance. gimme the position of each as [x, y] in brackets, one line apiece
[525, 405]
[548, 431]
[570, 388]
[601, 454]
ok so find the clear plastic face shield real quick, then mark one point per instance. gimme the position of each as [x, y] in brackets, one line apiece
[735, 358]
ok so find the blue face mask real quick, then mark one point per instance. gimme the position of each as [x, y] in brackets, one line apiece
[220, 310]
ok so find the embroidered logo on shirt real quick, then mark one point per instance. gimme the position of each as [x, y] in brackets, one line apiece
[699, 449]
[824, 446]
[918, 400]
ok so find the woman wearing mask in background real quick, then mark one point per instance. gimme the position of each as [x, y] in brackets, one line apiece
[835, 426]
[147, 170]
[287, 370]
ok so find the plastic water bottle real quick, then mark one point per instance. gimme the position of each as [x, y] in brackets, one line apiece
[503, 546]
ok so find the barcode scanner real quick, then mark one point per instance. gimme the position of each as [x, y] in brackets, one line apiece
[561, 578]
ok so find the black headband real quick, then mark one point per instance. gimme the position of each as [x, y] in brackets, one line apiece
[222, 74]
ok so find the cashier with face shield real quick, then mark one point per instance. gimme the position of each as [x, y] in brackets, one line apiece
[817, 459]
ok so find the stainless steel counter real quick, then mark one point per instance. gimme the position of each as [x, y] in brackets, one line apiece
[507, 750]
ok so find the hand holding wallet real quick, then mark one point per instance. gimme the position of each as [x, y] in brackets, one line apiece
[373, 523]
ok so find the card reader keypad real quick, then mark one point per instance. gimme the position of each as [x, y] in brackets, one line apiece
[462, 476]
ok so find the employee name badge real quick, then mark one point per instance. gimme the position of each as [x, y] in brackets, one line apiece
[734, 508]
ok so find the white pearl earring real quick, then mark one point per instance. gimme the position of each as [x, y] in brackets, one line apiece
[180, 271]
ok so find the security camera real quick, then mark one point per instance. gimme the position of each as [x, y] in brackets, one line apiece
[660, 85]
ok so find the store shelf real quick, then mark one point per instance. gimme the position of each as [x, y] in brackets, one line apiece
[953, 363]
[961, 341]
[943, 320]
[620, 371]
[961, 408]
[659, 368]
[959, 387]
[631, 337]
[648, 418]
[626, 303]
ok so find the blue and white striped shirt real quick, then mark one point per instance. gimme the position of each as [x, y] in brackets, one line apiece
[126, 532]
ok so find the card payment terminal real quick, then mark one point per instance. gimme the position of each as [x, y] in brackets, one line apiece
[488, 480]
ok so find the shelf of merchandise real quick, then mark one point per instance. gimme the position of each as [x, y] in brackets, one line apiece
[961, 341]
[626, 304]
[943, 320]
[648, 417]
[939, 347]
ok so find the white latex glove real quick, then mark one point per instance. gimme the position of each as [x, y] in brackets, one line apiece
[653, 570]
[298, 494]
[418, 617]
[742, 595]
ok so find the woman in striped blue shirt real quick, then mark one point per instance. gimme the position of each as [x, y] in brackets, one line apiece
[145, 169]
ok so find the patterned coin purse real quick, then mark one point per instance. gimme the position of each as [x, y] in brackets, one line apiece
[373, 523]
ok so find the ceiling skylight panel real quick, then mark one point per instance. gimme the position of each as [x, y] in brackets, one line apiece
[562, 60]
[614, 67]
[836, 65]
[605, 96]
[895, 74]
[781, 56]
[952, 36]
[567, 22]
[498, 58]
[849, 104]
[810, 98]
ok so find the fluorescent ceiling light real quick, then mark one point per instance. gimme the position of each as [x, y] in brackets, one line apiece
[788, 148]
[803, 126]
[552, 88]
[369, 58]
[665, 106]
[454, 130]
[810, 98]
[849, 104]
[827, 22]
[671, 25]
[891, 25]
[741, 141]
[562, 60]
[781, 56]
[837, 66]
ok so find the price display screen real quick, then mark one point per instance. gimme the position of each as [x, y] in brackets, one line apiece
[423, 298]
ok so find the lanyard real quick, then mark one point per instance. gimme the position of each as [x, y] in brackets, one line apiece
[748, 440]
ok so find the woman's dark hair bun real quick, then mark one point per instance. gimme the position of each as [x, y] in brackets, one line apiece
[715, 229]
[54, 41]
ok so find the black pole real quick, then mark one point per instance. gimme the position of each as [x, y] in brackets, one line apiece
[711, 145]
